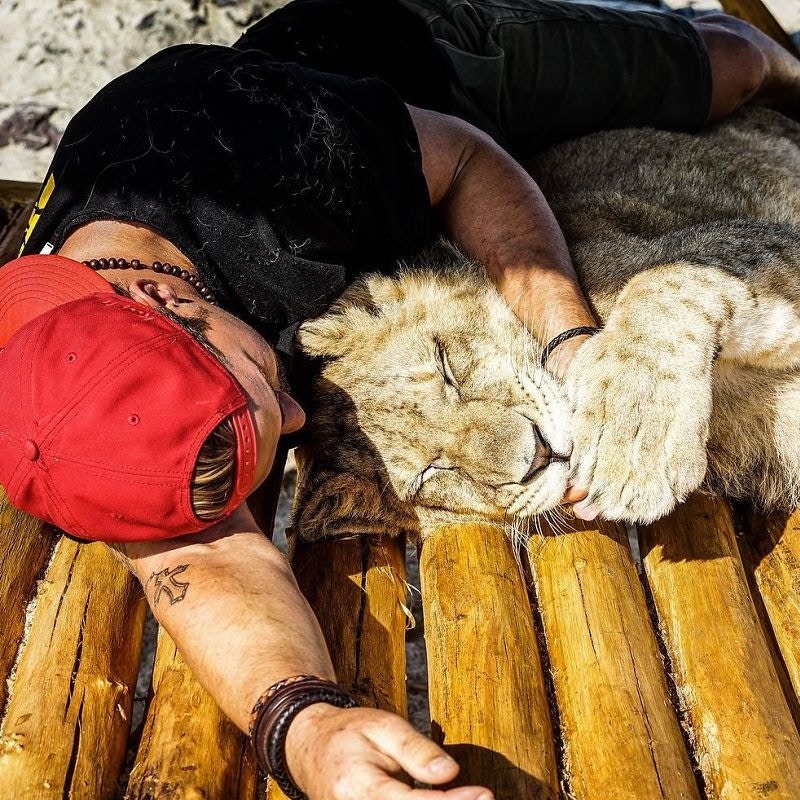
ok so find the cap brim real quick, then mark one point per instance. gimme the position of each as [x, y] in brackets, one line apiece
[31, 285]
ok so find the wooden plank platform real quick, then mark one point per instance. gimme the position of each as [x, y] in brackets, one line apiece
[563, 674]
[691, 706]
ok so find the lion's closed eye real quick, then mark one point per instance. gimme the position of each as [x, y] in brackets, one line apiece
[430, 471]
[443, 365]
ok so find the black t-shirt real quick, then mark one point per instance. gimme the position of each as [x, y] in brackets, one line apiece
[362, 39]
[278, 182]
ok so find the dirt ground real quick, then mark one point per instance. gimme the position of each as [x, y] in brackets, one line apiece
[55, 54]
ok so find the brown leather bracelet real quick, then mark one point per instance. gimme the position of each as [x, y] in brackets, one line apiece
[274, 712]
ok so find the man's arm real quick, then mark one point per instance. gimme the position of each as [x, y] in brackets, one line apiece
[495, 211]
[221, 587]
[230, 602]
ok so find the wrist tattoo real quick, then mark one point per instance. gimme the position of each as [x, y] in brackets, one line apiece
[165, 583]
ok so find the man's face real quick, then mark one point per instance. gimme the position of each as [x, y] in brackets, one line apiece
[248, 357]
[253, 363]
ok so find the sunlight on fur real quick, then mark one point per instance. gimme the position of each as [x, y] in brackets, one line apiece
[429, 402]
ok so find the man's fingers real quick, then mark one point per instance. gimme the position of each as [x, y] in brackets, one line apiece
[379, 786]
[574, 495]
[585, 510]
[415, 753]
[374, 747]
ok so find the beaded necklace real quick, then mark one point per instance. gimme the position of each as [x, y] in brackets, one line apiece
[157, 266]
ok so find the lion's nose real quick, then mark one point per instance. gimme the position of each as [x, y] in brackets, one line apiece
[542, 457]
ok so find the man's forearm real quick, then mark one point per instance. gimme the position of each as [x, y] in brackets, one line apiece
[500, 216]
[495, 211]
[229, 600]
[233, 608]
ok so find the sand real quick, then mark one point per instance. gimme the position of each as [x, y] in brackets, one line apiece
[57, 53]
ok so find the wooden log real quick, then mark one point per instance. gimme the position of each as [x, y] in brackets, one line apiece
[737, 717]
[25, 542]
[758, 15]
[486, 687]
[68, 717]
[274, 793]
[16, 203]
[189, 748]
[18, 192]
[620, 734]
[773, 544]
[357, 588]
[25, 547]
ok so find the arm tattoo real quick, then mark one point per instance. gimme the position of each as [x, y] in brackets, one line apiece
[165, 583]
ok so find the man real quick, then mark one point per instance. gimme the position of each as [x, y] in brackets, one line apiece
[278, 184]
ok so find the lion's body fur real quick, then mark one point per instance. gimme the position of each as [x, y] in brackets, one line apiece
[688, 247]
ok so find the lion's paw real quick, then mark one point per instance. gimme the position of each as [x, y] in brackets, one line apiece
[640, 426]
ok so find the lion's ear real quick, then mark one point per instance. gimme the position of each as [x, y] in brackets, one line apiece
[346, 325]
[342, 327]
[329, 336]
[343, 504]
[384, 290]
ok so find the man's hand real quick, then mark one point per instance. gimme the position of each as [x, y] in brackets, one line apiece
[358, 753]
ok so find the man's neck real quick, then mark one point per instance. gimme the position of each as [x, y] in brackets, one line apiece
[112, 239]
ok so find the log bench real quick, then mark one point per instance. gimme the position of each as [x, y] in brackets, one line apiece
[582, 677]
[566, 671]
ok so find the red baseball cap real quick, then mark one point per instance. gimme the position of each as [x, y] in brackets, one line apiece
[105, 406]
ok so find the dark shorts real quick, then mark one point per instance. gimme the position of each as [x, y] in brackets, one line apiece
[529, 72]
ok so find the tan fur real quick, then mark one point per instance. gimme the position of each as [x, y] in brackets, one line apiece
[689, 249]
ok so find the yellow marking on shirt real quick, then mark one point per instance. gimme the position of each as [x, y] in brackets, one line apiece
[39, 206]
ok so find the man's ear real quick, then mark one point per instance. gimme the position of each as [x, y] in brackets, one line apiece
[153, 293]
[342, 504]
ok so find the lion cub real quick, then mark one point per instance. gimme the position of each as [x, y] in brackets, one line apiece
[429, 401]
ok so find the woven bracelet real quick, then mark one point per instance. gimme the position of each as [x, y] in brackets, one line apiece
[271, 721]
[584, 330]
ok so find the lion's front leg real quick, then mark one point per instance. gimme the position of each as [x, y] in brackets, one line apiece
[641, 390]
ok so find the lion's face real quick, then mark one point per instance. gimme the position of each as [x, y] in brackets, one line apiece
[430, 398]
